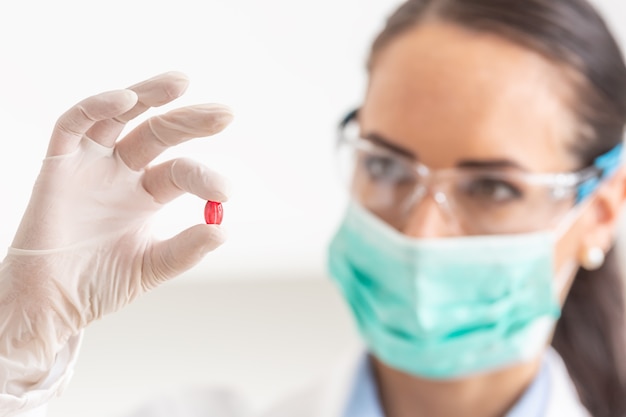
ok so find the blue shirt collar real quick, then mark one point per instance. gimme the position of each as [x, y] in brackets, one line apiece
[364, 401]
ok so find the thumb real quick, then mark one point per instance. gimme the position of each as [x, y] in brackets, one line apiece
[169, 258]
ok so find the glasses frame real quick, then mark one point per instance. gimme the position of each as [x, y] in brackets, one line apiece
[582, 181]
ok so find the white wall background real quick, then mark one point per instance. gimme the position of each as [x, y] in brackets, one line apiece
[289, 69]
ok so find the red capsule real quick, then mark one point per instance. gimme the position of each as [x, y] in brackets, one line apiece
[213, 212]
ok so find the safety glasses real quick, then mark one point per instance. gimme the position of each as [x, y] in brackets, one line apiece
[476, 201]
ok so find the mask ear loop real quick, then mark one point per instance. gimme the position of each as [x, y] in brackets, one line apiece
[571, 217]
[563, 276]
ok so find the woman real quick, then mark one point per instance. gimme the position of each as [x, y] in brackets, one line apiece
[486, 176]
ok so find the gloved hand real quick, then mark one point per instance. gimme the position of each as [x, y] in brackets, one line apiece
[84, 247]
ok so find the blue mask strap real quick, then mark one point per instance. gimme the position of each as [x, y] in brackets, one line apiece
[606, 164]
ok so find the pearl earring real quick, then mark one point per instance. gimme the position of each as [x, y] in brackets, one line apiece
[593, 258]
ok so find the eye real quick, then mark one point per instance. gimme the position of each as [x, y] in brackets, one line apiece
[492, 190]
[385, 168]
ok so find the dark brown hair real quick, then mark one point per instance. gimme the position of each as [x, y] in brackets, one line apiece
[591, 334]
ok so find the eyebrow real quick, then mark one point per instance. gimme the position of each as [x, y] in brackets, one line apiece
[386, 143]
[491, 164]
[468, 163]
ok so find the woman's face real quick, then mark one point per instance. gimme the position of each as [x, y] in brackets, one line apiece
[455, 98]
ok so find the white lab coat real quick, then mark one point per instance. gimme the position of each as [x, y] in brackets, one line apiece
[325, 397]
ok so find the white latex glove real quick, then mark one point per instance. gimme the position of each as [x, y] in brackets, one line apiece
[84, 248]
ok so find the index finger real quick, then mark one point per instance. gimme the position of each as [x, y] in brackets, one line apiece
[72, 125]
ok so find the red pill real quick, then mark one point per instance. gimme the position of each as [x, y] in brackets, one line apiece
[213, 212]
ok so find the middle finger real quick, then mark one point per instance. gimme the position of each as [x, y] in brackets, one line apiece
[149, 139]
[153, 92]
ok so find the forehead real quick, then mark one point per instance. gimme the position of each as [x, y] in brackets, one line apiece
[448, 94]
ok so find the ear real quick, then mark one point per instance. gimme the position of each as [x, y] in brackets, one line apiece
[604, 213]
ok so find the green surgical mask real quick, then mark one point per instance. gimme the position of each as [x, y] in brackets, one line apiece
[450, 307]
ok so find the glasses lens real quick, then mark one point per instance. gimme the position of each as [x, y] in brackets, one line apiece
[485, 202]
[381, 181]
